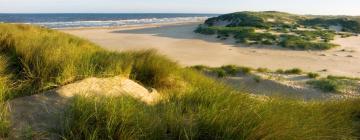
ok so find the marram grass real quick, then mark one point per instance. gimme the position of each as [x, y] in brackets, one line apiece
[193, 106]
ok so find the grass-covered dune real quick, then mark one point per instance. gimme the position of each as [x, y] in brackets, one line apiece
[34, 59]
[278, 28]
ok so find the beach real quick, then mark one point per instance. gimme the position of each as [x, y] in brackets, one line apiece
[180, 43]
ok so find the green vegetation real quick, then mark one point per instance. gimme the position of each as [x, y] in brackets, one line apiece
[245, 35]
[296, 42]
[277, 28]
[313, 75]
[335, 84]
[264, 20]
[223, 71]
[4, 88]
[193, 106]
[289, 71]
[42, 59]
[324, 35]
[262, 70]
[348, 24]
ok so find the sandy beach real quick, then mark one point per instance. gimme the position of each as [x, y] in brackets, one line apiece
[178, 42]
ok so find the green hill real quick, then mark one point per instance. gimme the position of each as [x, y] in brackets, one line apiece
[35, 59]
[284, 29]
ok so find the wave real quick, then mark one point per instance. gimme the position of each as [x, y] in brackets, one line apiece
[111, 23]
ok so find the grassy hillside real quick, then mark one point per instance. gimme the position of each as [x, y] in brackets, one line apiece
[278, 28]
[193, 106]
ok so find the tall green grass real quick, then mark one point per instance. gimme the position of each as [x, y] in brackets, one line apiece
[4, 88]
[193, 106]
[42, 59]
[209, 110]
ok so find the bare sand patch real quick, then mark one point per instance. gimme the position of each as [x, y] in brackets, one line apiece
[181, 44]
[38, 115]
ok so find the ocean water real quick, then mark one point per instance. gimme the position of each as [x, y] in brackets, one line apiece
[98, 20]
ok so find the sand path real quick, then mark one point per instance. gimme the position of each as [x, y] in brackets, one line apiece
[181, 44]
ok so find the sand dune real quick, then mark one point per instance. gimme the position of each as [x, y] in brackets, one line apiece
[39, 114]
[181, 44]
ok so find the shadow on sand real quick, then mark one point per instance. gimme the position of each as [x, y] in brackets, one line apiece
[185, 31]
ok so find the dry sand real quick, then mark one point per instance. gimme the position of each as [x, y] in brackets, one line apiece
[37, 116]
[181, 44]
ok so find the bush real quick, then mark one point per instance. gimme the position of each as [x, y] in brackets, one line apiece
[245, 70]
[262, 70]
[221, 73]
[313, 75]
[200, 67]
[257, 79]
[293, 71]
[280, 71]
[326, 85]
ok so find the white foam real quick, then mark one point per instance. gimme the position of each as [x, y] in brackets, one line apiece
[110, 23]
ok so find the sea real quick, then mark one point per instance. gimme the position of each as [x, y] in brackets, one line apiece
[85, 20]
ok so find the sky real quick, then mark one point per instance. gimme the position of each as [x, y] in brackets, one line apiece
[318, 7]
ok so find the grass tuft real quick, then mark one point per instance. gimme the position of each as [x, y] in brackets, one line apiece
[313, 75]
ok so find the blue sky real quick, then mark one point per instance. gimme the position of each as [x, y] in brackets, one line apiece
[349, 7]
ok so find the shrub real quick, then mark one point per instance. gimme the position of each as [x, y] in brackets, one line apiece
[280, 71]
[230, 69]
[200, 67]
[326, 85]
[221, 73]
[245, 70]
[313, 75]
[263, 70]
[293, 71]
[257, 79]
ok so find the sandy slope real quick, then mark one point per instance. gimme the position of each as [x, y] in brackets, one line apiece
[181, 44]
[285, 86]
[35, 117]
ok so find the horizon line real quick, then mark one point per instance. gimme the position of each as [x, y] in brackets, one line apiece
[176, 13]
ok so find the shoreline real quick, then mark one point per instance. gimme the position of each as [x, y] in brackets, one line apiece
[130, 27]
[179, 43]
